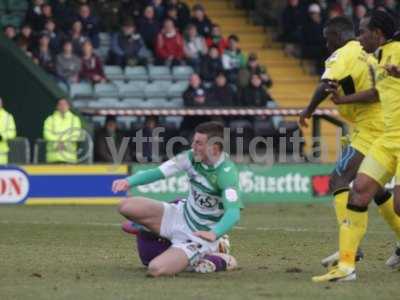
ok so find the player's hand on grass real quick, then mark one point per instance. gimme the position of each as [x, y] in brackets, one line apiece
[393, 70]
[206, 235]
[120, 185]
[304, 115]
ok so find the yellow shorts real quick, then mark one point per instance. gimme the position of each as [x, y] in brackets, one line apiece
[362, 140]
[382, 161]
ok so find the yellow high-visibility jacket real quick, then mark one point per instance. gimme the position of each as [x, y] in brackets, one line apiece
[62, 132]
[7, 132]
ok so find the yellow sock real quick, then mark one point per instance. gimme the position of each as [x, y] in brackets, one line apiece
[351, 233]
[341, 199]
[386, 210]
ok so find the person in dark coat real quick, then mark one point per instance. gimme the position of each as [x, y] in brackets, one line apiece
[102, 151]
[149, 27]
[211, 65]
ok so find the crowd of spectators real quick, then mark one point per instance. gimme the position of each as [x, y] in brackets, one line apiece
[302, 23]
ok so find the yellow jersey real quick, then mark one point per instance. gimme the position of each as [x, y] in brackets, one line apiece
[354, 69]
[388, 88]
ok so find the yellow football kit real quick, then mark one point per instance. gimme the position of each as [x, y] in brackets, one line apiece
[383, 160]
[354, 69]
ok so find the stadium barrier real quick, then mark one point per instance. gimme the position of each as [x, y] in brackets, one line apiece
[91, 184]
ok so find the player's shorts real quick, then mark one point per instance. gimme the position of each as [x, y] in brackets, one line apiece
[382, 161]
[175, 229]
[363, 139]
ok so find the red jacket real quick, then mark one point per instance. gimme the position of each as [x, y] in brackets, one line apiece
[222, 44]
[169, 46]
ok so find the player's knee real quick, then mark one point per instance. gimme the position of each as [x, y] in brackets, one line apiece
[155, 269]
[127, 208]
[360, 195]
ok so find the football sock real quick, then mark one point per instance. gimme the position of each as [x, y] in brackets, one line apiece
[341, 197]
[351, 233]
[386, 210]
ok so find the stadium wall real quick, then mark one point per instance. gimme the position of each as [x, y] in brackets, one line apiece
[91, 184]
[27, 91]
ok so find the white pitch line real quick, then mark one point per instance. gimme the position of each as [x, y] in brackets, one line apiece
[240, 228]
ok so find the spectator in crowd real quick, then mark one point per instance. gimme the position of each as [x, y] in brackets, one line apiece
[77, 37]
[292, 20]
[217, 39]
[34, 14]
[221, 93]
[370, 5]
[194, 47]
[211, 65]
[109, 14]
[159, 9]
[10, 32]
[346, 7]
[169, 45]
[392, 7]
[26, 34]
[128, 47]
[233, 59]
[62, 131]
[7, 132]
[44, 55]
[149, 27]
[114, 135]
[183, 12]
[23, 44]
[92, 67]
[172, 14]
[360, 12]
[201, 21]
[68, 65]
[132, 8]
[55, 36]
[255, 94]
[313, 42]
[47, 14]
[63, 13]
[194, 96]
[253, 67]
[149, 152]
[90, 25]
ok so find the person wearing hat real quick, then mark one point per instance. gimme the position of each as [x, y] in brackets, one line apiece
[7, 132]
[127, 46]
[313, 42]
[253, 67]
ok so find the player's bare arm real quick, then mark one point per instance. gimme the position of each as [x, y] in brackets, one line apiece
[320, 94]
[368, 96]
[393, 70]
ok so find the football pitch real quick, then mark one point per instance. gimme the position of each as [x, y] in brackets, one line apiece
[79, 252]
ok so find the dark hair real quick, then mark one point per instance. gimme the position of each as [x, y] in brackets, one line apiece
[340, 24]
[212, 130]
[384, 21]
[233, 37]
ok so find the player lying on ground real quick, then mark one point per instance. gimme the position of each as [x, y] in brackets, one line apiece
[150, 245]
[383, 159]
[211, 209]
[353, 69]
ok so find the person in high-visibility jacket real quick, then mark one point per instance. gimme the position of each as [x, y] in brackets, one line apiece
[62, 131]
[7, 132]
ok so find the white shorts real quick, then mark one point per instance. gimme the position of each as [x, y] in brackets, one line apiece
[175, 229]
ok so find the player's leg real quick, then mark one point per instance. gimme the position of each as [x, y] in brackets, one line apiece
[344, 173]
[172, 261]
[144, 211]
[375, 170]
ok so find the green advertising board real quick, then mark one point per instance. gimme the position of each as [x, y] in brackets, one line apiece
[271, 184]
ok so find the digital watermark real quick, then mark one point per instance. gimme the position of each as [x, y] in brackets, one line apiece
[76, 145]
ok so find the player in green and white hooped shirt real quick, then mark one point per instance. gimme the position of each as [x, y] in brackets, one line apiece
[211, 209]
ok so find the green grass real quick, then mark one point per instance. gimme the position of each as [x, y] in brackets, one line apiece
[80, 253]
